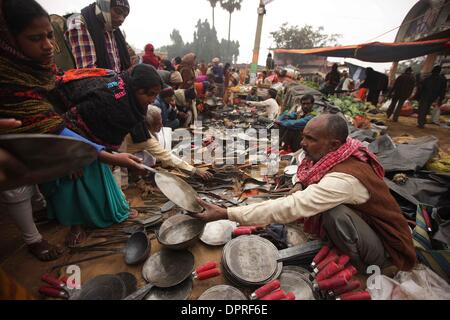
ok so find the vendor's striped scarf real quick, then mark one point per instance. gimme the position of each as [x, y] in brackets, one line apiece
[24, 86]
[310, 173]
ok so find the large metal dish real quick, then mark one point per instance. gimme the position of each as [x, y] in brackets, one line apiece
[47, 157]
[180, 233]
[176, 190]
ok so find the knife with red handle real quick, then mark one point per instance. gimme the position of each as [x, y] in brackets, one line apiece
[353, 296]
[242, 231]
[347, 273]
[322, 254]
[205, 267]
[349, 287]
[330, 284]
[265, 290]
[276, 295]
[343, 260]
[329, 271]
[212, 273]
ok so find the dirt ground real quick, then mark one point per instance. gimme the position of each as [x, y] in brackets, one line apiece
[21, 265]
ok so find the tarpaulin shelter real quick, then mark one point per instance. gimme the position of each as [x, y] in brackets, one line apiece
[377, 51]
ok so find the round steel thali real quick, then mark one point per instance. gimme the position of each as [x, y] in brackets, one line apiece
[222, 292]
[251, 260]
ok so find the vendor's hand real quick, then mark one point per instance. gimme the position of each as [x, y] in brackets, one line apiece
[204, 174]
[211, 213]
[298, 187]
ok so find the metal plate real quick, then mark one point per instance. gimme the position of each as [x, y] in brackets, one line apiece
[167, 207]
[48, 157]
[178, 191]
[222, 293]
[178, 292]
[218, 233]
[168, 268]
[294, 279]
[105, 287]
[251, 259]
[151, 221]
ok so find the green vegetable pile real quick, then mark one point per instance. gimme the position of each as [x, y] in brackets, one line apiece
[311, 84]
[351, 107]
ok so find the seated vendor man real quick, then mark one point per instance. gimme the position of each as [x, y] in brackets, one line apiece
[272, 109]
[253, 95]
[292, 124]
[342, 197]
[152, 151]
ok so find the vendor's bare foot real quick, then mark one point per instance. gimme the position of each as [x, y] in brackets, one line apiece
[133, 214]
[45, 251]
[76, 236]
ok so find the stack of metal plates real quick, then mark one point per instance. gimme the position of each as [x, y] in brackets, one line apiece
[251, 261]
[222, 293]
[296, 280]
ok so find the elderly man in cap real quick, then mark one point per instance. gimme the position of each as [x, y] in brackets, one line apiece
[342, 197]
[95, 38]
[218, 76]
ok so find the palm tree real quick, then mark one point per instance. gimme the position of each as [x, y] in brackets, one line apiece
[230, 6]
[213, 5]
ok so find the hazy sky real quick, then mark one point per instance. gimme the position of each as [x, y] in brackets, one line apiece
[152, 21]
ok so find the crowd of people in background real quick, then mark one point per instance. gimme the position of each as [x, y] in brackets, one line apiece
[104, 100]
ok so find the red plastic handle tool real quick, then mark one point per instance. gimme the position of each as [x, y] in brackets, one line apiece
[321, 255]
[427, 219]
[208, 274]
[242, 232]
[360, 295]
[329, 271]
[347, 273]
[206, 267]
[265, 290]
[351, 286]
[53, 292]
[51, 280]
[331, 284]
[277, 295]
[343, 260]
[330, 258]
[290, 296]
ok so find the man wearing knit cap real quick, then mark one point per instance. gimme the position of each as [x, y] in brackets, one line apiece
[95, 38]
[218, 76]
